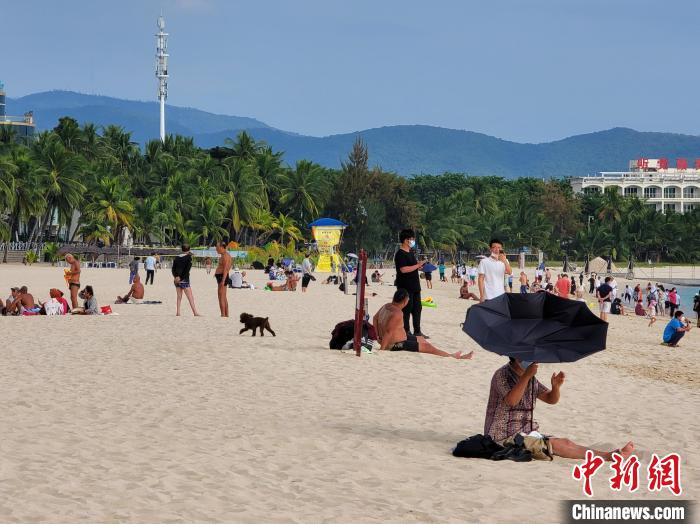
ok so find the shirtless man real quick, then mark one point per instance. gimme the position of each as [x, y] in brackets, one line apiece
[73, 279]
[23, 302]
[222, 278]
[524, 284]
[136, 292]
[389, 325]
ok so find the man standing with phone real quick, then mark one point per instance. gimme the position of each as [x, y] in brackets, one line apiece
[492, 272]
[407, 278]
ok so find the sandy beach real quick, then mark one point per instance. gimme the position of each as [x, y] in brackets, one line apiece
[145, 417]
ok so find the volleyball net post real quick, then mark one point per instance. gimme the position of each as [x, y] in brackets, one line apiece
[360, 301]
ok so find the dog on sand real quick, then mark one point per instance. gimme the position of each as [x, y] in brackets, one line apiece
[254, 323]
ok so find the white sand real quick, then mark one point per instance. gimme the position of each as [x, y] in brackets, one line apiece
[144, 417]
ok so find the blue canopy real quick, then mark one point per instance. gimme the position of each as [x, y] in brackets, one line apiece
[327, 222]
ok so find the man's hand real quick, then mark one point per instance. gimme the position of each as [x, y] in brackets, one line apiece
[558, 379]
[502, 257]
[531, 370]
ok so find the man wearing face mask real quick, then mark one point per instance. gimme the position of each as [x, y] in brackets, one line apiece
[407, 278]
[492, 271]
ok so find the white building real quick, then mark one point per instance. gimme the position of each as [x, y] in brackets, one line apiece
[651, 179]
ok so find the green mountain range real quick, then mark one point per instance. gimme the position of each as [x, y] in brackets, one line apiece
[407, 150]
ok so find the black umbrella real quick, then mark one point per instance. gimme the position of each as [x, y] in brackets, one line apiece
[537, 327]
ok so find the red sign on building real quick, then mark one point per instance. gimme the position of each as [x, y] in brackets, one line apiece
[681, 164]
[697, 163]
[642, 163]
[663, 163]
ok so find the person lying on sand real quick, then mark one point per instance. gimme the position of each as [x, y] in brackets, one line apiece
[135, 294]
[289, 285]
[388, 322]
[514, 392]
[465, 293]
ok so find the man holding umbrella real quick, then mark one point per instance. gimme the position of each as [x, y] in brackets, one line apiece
[531, 328]
[510, 409]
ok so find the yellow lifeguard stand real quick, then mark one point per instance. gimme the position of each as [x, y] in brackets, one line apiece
[327, 233]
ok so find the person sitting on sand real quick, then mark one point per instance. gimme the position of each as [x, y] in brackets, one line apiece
[377, 277]
[675, 330]
[90, 306]
[135, 294]
[639, 309]
[24, 303]
[509, 412]
[289, 284]
[388, 322]
[617, 307]
[465, 293]
[57, 297]
[14, 291]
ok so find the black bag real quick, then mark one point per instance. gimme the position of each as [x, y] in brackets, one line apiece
[476, 446]
[344, 332]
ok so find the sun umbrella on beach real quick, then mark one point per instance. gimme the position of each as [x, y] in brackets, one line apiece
[537, 327]
[428, 268]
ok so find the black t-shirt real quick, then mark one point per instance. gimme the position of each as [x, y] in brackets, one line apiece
[181, 267]
[408, 281]
[603, 290]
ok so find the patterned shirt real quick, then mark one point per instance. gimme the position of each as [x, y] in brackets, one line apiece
[503, 421]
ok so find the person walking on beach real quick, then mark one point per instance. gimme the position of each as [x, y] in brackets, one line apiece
[547, 275]
[428, 274]
[407, 278]
[604, 294]
[150, 265]
[573, 285]
[628, 294]
[222, 276]
[181, 278]
[511, 405]
[676, 329]
[133, 269]
[388, 322]
[492, 271]
[73, 277]
[673, 301]
[207, 265]
[307, 269]
[591, 284]
[580, 280]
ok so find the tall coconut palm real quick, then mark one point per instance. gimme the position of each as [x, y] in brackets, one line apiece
[58, 172]
[112, 205]
[209, 216]
[244, 147]
[244, 191]
[260, 222]
[303, 191]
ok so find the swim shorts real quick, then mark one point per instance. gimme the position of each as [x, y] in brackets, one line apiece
[410, 344]
[219, 276]
[537, 444]
[183, 285]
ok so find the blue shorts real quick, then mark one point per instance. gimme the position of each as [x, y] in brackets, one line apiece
[183, 285]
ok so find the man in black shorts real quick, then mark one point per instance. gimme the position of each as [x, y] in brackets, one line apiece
[307, 270]
[223, 280]
[389, 325]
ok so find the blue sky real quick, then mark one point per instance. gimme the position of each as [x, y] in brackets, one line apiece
[526, 70]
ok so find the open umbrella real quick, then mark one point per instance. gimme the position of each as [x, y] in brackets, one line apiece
[429, 268]
[537, 327]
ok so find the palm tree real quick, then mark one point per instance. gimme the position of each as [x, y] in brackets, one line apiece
[302, 191]
[111, 205]
[244, 191]
[208, 219]
[286, 226]
[260, 222]
[93, 232]
[244, 147]
[58, 172]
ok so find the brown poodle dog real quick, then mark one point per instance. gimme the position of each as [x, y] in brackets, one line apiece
[254, 323]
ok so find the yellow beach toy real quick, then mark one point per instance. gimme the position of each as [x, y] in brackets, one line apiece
[428, 302]
[66, 274]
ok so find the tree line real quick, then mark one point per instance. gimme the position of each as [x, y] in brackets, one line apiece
[96, 185]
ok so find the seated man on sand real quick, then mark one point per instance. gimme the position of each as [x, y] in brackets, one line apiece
[135, 294]
[389, 325]
[90, 306]
[23, 304]
[289, 285]
[10, 300]
[56, 296]
[465, 293]
[514, 393]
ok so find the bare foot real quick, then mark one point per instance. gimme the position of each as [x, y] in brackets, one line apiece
[627, 450]
[460, 356]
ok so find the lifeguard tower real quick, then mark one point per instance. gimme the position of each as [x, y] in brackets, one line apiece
[328, 232]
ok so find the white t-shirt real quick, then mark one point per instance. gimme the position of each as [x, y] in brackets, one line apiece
[306, 266]
[494, 272]
[236, 279]
[150, 263]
